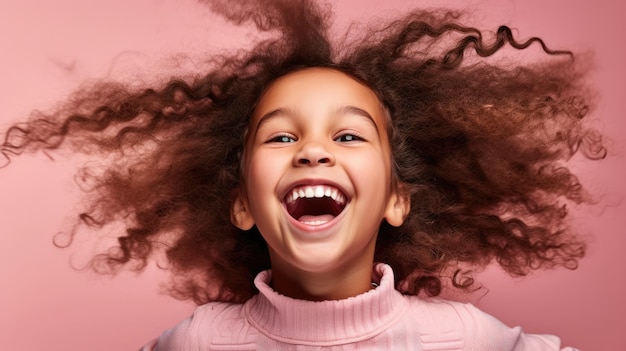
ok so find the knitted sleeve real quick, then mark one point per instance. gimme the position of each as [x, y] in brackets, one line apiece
[213, 323]
[176, 338]
[484, 332]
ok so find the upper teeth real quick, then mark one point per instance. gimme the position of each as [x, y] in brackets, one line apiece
[309, 192]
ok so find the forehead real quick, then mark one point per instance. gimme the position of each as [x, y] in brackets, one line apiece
[317, 87]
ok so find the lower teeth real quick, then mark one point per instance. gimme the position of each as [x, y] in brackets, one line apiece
[314, 222]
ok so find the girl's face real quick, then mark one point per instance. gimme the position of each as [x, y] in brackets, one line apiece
[317, 173]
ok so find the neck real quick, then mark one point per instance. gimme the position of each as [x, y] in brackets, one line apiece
[336, 284]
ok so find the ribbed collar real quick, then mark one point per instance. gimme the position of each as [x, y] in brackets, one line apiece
[324, 323]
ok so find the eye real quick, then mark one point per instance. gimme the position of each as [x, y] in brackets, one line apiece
[282, 138]
[348, 137]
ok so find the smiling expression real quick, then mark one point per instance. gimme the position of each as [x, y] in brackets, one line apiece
[317, 172]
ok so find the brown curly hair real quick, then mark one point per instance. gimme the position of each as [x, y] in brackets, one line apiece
[479, 144]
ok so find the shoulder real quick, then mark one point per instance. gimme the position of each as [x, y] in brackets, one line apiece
[205, 324]
[474, 329]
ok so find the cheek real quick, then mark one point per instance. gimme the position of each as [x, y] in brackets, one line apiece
[371, 166]
[262, 175]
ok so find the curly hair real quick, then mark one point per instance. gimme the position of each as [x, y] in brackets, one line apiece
[479, 145]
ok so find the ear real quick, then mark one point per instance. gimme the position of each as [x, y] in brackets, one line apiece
[398, 206]
[240, 214]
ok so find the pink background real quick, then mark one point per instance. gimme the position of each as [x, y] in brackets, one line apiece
[49, 48]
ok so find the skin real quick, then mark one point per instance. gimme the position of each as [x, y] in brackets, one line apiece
[312, 127]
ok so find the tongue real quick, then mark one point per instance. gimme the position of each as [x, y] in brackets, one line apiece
[316, 220]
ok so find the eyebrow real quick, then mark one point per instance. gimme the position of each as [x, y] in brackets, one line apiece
[349, 109]
[343, 110]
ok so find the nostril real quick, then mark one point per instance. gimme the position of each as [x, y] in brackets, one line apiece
[324, 160]
[305, 161]
[312, 161]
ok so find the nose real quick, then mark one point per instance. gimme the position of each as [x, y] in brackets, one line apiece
[313, 154]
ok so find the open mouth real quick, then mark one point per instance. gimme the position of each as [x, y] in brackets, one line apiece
[315, 204]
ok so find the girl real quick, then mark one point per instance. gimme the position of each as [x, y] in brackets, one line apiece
[316, 158]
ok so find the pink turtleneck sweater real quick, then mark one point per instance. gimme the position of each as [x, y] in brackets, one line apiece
[380, 319]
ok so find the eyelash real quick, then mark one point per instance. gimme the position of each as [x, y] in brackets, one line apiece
[281, 138]
[287, 138]
[352, 135]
